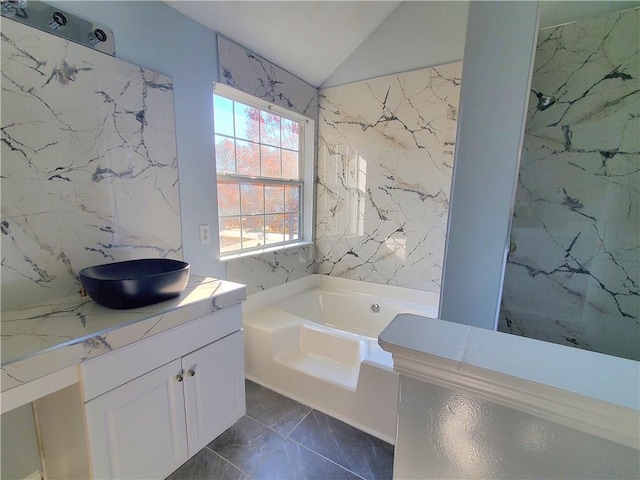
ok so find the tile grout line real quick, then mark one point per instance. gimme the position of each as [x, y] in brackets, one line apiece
[313, 451]
[287, 436]
[311, 410]
[267, 456]
[249, 472]
[328, 459]
[228, 461]
[284, 437]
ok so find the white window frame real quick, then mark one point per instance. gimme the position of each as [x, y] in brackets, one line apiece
[307, 165]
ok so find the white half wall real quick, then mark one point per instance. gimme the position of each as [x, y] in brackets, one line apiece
[447, 433]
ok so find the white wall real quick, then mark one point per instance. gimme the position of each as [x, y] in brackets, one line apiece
[20, 457]
[415, 35]
[500, 45]
[156, 36]
[447, 433]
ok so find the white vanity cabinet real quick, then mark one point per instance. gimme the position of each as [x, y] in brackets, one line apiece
[152, 405]
[213, 390]
[139, 429]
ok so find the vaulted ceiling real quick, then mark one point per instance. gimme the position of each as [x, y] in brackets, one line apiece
[308, 38]
[315, 39]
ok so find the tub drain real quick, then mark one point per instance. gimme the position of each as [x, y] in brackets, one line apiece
[375, 308]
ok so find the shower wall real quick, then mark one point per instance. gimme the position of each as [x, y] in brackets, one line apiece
[89, 166]
[385, 160]
[573, 274]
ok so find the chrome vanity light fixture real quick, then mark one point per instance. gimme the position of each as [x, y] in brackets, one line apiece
[47, 18]
[10, 7]
[544, 101]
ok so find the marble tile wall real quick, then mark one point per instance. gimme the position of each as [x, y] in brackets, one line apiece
[574, 277]
[266, 270]
[385, 162]
[243, 69]
[89, 168]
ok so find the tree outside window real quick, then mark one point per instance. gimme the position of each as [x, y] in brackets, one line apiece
[258, 162]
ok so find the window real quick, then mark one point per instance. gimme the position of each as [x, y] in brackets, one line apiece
[260, 162]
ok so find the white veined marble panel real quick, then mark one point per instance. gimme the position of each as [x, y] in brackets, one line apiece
[591, 67]
[89, 165]
[384, 175]
[242, 69]
[574, 277]
[266, 270]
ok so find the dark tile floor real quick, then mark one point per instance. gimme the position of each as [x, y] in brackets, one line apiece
[282, 439]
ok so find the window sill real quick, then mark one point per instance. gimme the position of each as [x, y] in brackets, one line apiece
[253, 253]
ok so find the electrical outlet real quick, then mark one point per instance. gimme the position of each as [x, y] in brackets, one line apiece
[205, 234]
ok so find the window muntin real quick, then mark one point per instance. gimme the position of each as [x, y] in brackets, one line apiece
[259, 168]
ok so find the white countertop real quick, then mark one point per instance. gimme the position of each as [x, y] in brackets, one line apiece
[577, 387]
[37, 341]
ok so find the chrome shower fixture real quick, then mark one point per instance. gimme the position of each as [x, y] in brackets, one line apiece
[57, 22]
[544, 101]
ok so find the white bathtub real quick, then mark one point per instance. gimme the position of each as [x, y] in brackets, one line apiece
[316, 340]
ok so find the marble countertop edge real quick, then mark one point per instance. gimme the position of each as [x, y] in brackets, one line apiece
[95, 321]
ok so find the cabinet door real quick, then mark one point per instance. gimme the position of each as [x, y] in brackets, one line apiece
[214, 394]
[138, 430]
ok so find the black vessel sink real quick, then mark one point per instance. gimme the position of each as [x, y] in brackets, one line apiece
[135, 283]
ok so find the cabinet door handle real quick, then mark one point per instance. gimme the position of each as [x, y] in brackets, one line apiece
[179, 377]
[191, 372]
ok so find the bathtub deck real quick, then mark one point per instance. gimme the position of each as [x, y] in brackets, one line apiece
[330, 356]
[321, 367]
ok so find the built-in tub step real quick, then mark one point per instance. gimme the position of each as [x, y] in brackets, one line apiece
[327, 355]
